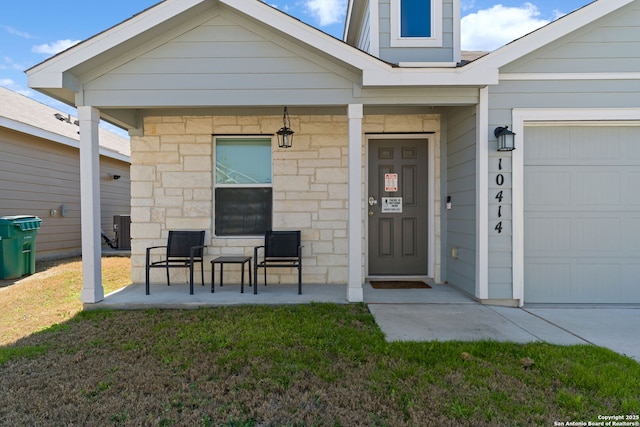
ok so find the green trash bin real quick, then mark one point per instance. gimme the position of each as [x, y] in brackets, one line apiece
[18, 245]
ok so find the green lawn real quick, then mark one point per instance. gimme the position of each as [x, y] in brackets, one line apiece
[306, 365]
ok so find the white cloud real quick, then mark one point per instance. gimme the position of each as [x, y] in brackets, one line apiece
[9, 64]
[492, 28]
[18, 33]
[55, 47]
[327, 12]
[12, 85]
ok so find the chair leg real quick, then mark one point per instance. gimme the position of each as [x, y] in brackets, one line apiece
[191, 279]
[202, 272]
[146, 281]
[168, 282]
[299, 280]
[255, 276]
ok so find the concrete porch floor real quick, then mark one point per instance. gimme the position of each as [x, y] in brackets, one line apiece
[177, 295]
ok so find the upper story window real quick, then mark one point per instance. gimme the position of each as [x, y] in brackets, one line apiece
[416, 23]
[415, 18]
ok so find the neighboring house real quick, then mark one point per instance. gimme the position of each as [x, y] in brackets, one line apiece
[394, 169]
[40, 173]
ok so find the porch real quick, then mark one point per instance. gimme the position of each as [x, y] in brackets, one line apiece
[177, 295]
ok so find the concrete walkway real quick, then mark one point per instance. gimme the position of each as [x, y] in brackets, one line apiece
[613, 328]
[441, 313]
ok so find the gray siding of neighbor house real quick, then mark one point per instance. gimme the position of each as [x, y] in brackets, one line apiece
[461, 186]
[416, 54]
[609, 45]
[39, 175]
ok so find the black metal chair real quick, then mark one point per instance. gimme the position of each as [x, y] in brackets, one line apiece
[281, 249]
[184, 249]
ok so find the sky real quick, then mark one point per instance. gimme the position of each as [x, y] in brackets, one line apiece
[33, 30]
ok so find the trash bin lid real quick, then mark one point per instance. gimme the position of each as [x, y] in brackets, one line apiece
[24, 222]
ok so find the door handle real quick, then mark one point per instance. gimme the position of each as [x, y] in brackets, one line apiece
[372, 201]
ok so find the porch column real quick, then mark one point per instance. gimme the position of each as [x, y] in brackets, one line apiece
[482, 196]
[92, 290]
[354, 288]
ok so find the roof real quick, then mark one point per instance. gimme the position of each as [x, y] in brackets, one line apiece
[62, 75]
[26, 115]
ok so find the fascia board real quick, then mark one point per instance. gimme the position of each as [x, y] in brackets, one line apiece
[106, 40]
[429, 77]
[347, 21]
[547, 34]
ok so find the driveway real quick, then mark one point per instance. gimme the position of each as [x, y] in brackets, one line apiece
[613, 328]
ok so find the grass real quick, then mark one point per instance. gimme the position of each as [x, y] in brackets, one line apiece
[301, 365]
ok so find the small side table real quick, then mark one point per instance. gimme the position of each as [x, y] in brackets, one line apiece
[222, 260]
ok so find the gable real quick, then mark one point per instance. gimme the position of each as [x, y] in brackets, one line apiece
[222, 59]
[609, 44]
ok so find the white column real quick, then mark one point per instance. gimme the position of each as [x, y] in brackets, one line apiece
[92, 290]
[482, 195]
[354, 288]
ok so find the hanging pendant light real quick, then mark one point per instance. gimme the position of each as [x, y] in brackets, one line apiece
[285, 134]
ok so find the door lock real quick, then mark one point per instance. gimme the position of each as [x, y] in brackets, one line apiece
[372, 201]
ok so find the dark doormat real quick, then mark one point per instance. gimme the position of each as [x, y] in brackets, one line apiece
[399, 285]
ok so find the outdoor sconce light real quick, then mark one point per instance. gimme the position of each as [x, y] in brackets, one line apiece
[506, 139]
[285, 134]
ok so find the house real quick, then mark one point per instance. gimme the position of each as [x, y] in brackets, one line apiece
[40, 173]
[394, 169]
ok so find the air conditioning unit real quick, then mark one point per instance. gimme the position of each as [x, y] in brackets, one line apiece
[122, 228]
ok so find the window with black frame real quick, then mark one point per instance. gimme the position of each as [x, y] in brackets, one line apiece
[243, 187]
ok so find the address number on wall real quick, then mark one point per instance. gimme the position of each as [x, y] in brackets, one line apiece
[499, 196]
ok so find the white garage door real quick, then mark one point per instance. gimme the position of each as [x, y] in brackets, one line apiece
[582, 213]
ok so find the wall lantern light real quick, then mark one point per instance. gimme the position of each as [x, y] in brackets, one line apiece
[285, 134]
[506, 139]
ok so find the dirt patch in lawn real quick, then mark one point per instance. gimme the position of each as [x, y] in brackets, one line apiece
[52, 295]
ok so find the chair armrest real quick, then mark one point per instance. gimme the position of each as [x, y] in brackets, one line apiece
[154, 247]
[255, 252]
[149, 252]
[192, 250]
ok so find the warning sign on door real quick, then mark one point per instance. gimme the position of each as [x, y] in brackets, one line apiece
[390, 182]
[392, 205]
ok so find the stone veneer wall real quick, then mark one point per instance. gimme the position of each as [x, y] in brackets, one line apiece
[172, 186]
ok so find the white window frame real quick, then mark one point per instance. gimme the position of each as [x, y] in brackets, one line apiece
[217, 185]
[436, 28]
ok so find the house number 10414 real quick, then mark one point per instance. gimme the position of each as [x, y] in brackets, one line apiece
[499, 196]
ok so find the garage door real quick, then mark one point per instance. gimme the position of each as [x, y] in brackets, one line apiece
[582, 213]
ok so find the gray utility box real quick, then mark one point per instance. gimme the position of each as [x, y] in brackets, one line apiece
[122, 228]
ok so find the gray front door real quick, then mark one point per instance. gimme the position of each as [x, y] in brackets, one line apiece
[397, 206]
